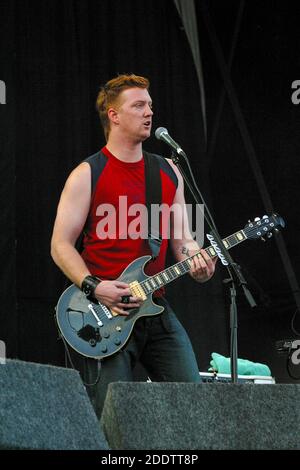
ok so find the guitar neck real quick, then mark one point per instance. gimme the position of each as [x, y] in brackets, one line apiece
[177, 270]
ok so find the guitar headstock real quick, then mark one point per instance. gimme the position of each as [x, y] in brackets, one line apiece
[264, 227]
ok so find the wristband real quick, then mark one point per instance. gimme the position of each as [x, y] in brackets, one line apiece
[89, 285]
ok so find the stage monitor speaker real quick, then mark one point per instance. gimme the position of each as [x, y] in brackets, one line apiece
[202, 416]
[46, 407]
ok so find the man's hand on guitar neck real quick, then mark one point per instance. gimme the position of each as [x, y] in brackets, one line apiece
[116, 295]
[203, 266]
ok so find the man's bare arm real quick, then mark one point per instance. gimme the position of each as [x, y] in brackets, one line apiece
[71, 215]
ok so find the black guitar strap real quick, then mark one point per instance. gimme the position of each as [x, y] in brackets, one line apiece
[153, 196]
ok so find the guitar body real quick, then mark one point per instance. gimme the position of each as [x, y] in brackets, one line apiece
[80, 327]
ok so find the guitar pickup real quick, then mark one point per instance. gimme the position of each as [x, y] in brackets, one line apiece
[137, 290]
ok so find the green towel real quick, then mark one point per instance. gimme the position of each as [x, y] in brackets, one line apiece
[221, 365]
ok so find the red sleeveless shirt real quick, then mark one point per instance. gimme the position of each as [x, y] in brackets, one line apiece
[107, 247]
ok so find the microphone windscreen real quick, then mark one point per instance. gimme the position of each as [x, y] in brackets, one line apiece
[159, 131]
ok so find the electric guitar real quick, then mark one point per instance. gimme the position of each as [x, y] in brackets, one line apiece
[95, 331]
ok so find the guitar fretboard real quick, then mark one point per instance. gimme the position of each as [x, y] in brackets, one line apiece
[171, 273]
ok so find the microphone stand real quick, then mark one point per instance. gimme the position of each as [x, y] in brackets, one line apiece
[236, 278]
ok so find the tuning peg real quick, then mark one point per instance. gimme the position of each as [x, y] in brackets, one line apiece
[265, 217]
[262, 239]
[257, 220]
[269, 235]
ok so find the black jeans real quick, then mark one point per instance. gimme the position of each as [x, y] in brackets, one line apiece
[162, 346]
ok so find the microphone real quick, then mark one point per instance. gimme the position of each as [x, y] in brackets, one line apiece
[161, 133]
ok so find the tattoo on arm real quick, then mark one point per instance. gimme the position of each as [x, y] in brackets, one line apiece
[185, 251]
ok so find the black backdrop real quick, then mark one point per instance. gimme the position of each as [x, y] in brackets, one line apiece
[54, 56]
